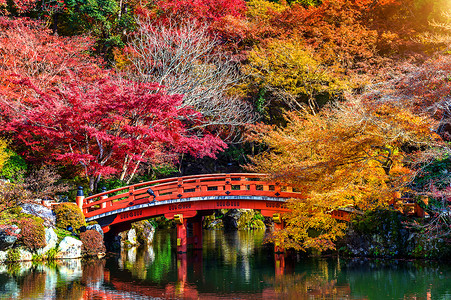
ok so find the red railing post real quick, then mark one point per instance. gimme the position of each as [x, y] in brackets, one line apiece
[228, 183]
[180, 186]
[242, 183]
[103, 197]
[131, 193]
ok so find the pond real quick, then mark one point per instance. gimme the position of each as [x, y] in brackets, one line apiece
[233, 265]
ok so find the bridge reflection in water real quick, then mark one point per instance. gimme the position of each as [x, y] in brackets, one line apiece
[229, 266]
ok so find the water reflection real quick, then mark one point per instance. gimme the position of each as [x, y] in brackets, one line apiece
[229, 266]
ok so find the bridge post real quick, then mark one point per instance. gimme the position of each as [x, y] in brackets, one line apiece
[103, 204]
[80, 197]
[181, 233]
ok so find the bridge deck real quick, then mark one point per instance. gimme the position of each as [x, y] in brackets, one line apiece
[191, 194]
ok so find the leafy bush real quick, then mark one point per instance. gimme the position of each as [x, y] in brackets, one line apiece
[251, 219]
[37, 257]
[13, 255]
[33, 233]
[14, 168]
[12, 195]
[62, 233]
[92, 243]
[45, 183]
[69, 214]
[51, 253]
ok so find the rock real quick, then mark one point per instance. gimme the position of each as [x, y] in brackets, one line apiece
[95, 227]
[40, 211]
[230, 220]
[131, 237]
[69, 248]
[3, 256]
[210, 222]
[148, 233]
[51, 241]
[8, 236]
[25, 255]
[144, 232]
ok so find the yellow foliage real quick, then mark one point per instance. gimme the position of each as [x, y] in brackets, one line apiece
[122, 61]
[347, 156]
[289, 67]
[259, 9]
[3, 153]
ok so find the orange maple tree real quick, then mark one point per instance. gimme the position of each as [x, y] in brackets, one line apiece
[348, 156]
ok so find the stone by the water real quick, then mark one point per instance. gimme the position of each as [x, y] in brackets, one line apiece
[69, 248]
[8, 236]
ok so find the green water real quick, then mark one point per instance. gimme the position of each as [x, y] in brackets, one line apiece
[230, 266]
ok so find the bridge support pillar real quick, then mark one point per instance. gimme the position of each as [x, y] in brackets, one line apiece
[181, 234]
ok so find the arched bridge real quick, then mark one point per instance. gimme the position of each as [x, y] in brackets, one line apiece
[189, 198]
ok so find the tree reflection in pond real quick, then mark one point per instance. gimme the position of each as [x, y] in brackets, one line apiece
[234, 265]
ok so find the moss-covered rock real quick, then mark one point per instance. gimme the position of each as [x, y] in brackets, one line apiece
[145, 231]
[212, 222]
[251, 219]
[383, 233]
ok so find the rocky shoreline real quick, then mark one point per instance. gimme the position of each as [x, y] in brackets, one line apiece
[18, 243]
[380, 234]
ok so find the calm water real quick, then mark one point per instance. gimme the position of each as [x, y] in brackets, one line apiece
[230, 266]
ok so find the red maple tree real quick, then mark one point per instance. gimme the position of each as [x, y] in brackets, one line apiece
[106, 127]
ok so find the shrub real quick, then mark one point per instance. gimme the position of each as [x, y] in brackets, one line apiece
[45, 183]
[14, 168]
[69, 214]
[37, 257]
[33, 233]
[13, 255]
[51, 253]
[12, 195]
[92, 243]
[62, 233]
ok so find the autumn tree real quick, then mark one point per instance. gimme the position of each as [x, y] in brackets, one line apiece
[426, 89]
[440, 31]
[106, 127]
[202, 11]
[290, 71]
[348, 156]
[183, 59]
[28, 49]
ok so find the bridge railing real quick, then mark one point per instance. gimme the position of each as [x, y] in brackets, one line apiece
[186, 187]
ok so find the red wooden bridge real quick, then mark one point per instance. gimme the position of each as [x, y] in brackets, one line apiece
[188, 199]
